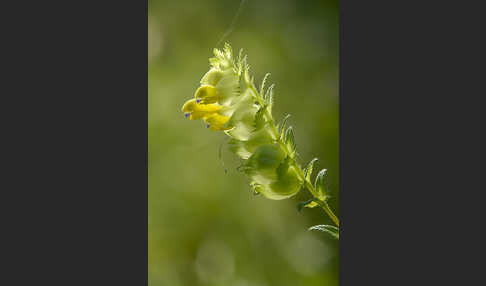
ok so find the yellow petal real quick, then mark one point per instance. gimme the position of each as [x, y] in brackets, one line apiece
[216, 122]
[189, 105]
[199, 110]
[207, 94]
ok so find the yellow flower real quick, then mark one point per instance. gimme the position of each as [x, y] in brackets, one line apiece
[216, 122]
[206, 94]
[195, 109]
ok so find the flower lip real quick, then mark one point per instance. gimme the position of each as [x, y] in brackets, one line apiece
[188, 106]
[207, 94]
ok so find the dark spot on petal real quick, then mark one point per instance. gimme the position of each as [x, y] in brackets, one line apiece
[186, 115]
[198, 100]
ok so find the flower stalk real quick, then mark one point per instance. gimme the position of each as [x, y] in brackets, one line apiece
[228, 101]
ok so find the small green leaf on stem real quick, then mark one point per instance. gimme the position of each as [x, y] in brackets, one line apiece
[282, 127]
[308, 170]
[332, 230]
[262, 87]
[290, 141]
[259, 118]
[319, 185]
[269, 98]
[306, 204]
[301, 205]
[240, 63]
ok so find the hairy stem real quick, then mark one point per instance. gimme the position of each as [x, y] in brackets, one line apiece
[322, 204]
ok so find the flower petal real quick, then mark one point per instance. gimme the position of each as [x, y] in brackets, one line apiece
[207, 94]
[216, 121]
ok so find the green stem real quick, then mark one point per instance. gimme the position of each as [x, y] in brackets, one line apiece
[321, 203]
[329, 212]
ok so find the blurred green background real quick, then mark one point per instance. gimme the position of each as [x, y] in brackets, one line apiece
[205, 226]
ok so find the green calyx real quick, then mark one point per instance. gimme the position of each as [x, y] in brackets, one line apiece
[272, 173]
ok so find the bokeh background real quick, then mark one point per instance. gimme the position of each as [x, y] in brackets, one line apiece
[205, 225]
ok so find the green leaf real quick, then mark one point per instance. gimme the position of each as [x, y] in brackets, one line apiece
[312, 204]
[259, 119]
[240, 64]
[301, 205]
[306, 204]
[219, 54]
[308, 170]
[228, 51]
[282, 128]
[262, 87]
[332, 230]
[290, 141]
[319, 185]
[269, 98]
[244, 62]
[246, 72]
